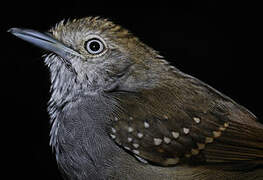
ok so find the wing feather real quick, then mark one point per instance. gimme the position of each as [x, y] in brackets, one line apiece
[186, 124]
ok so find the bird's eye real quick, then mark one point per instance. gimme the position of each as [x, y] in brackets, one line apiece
[94, 46]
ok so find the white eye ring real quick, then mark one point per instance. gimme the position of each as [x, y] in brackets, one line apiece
[94, 46]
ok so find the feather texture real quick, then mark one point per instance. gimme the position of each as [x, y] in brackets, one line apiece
[204, 126]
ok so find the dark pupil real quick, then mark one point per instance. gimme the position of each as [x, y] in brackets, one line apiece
[94, 46]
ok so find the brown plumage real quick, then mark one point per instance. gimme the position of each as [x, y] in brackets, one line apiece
[120, 111]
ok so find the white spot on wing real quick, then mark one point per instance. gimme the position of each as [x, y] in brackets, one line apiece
[197, 119]
[209, 140]
[200, 146]
[146, 125]
[222, 128]
[186, 130]
[157, 141]
[140, 135]
[226, 124]
[113, 130]
[195, 151]
[216, 134]
[175, 134]
[129, 139]
[112, 136]
[130, 129]
[135, 145]
[166, 140]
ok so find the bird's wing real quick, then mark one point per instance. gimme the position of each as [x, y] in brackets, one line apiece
[187, 123]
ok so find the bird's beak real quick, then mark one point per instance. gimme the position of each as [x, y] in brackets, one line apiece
[44, 41]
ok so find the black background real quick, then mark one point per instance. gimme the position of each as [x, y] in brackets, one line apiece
[214, 41]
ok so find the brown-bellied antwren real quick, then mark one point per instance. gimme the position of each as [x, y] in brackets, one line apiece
[120, 111]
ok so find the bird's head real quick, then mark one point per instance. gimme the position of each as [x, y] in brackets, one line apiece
[93, 55]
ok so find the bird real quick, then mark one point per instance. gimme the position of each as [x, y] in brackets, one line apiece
[120, 111]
